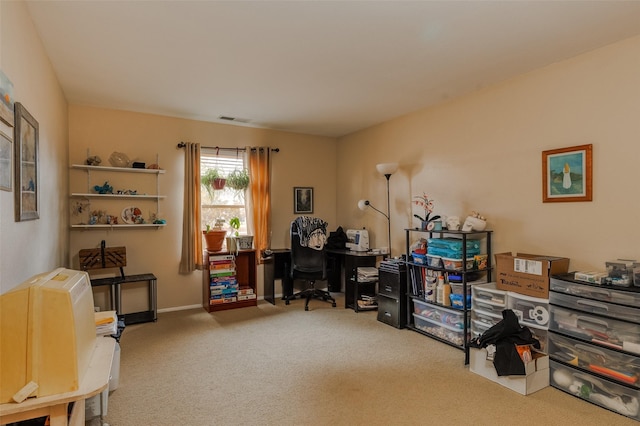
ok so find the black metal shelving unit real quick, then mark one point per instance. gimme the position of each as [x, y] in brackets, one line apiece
[416, 292]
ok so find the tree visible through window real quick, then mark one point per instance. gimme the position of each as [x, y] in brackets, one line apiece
[226, 203]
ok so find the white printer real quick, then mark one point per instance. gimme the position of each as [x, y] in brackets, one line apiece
[358, 239]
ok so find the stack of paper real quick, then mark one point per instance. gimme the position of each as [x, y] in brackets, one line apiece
[106, 323]
[367, 273]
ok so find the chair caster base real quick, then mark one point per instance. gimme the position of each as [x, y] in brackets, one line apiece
[333, 305]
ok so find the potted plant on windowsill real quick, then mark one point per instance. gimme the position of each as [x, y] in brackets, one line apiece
[214, 236]
[212, 179]
[236, 241]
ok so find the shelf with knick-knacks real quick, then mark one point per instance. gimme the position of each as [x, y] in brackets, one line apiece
[105, 200]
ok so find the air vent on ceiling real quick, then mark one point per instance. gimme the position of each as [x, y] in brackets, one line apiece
[239, 120]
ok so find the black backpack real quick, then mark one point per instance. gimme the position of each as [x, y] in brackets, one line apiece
[337, 240]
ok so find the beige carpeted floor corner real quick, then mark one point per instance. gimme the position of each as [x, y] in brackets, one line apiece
[280, 365]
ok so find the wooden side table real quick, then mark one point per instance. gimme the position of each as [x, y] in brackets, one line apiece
[95, 380]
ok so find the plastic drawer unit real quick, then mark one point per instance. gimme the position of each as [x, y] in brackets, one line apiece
[594, 343]
[439, 315]
[488, 293]
[597, 307]
[448, 332]
[594, 292]
[605, 393]
[531, 311]
[615, 365]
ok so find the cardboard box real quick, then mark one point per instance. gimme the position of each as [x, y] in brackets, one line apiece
[528, 273]
[536, 378]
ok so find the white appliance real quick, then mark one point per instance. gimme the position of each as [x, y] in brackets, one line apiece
[358, 239]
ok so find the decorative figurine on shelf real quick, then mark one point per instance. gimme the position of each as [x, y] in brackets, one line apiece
[428, 223]
[79, 207]
[104, 189]
[474, 222]
[94, 160]
[156, 220]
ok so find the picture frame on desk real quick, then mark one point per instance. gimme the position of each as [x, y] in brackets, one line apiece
[302, 200]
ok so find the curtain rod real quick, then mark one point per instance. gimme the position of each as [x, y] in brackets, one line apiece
[182, 145]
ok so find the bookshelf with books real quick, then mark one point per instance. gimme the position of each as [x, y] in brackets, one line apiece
[229, 280]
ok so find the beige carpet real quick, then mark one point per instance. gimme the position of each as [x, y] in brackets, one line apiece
[280, 365]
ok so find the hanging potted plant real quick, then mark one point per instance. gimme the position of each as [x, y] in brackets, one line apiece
[214, 236]
[212, 179]
[238, 179]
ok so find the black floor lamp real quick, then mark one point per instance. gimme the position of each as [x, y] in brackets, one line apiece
[386, 169]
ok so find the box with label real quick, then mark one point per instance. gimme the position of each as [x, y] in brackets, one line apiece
[528, 273]
[536, 372]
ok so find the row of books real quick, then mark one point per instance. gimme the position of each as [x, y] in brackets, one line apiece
[232, 295]
[223, 284]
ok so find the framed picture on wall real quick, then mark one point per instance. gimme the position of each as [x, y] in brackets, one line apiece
[5, 162]
[302, 200]
[25, 154]
[567, 175]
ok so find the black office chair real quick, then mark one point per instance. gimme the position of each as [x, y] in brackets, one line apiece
[308, 258]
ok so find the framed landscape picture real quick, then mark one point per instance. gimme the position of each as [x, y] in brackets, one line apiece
[26, 134]
[567, 174]
[302, 200]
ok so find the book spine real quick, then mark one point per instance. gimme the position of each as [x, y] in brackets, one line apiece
[223, 273]
[246, 296]
[223, 257]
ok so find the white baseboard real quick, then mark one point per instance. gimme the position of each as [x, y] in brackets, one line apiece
[187, 307]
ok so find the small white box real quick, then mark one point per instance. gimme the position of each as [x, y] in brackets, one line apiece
[536, 378]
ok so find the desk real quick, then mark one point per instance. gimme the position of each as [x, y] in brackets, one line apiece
[348, 261]
[340, 265]
[94, 381]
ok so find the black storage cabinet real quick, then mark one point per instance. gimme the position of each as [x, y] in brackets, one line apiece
[392, 291]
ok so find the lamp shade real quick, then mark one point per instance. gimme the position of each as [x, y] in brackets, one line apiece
[387, 168]
[362, 204]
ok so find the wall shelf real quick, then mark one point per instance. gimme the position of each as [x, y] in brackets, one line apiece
[138, 196]
[117, 169]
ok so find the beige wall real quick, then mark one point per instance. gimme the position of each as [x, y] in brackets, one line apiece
[32, 247]
[302, 161]
[483, 152]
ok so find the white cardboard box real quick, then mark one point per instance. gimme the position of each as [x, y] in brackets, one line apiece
[536, 378]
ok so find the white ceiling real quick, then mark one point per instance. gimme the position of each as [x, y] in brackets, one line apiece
[314, 67]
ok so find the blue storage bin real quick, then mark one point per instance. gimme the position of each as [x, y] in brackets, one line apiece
[454, 244]
[452, 254]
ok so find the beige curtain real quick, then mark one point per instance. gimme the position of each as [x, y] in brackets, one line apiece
[260, 193]
[191, 228]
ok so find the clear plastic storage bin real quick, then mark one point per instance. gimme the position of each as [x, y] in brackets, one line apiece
[488, 293]
[599, 391]
[445, 332]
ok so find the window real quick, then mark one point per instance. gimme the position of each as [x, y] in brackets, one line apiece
[225, 203]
